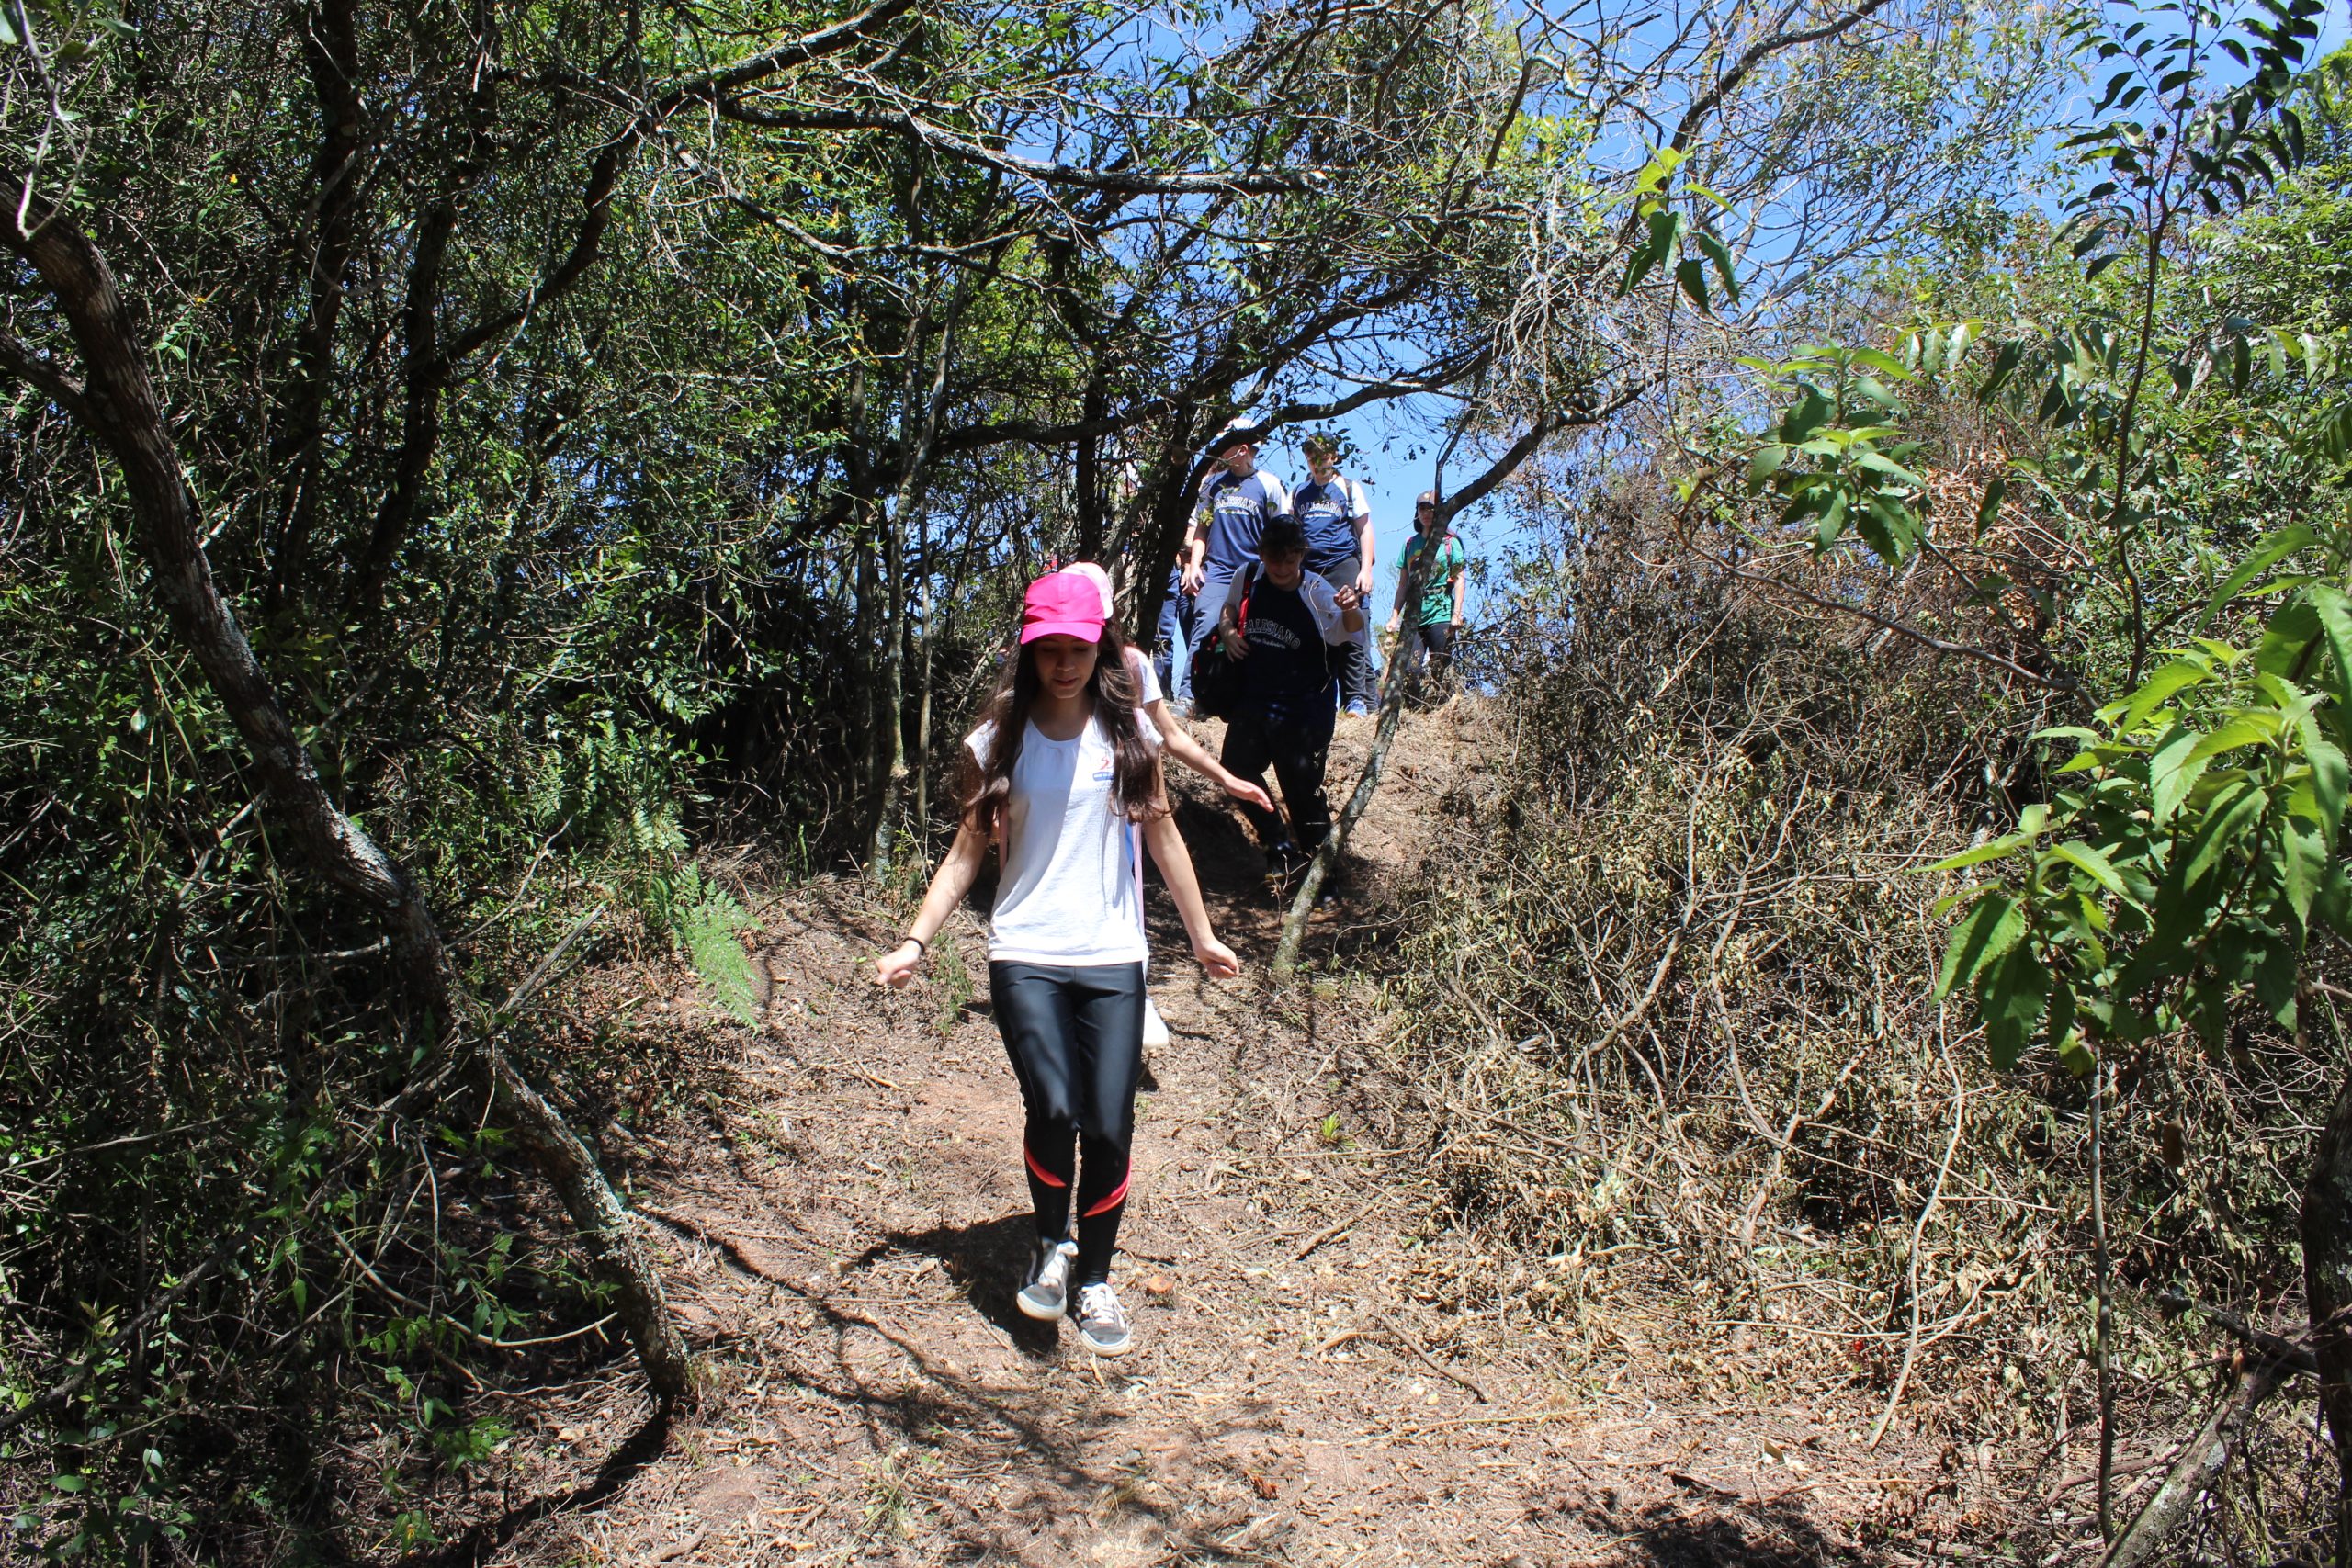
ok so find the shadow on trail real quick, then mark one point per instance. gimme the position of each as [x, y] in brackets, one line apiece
[987, 1260]
[482, 1540]
[1670, 1535]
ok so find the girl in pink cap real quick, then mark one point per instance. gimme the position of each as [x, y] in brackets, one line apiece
[1064, 760]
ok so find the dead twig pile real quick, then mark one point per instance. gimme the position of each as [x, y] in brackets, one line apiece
[1685, 1083]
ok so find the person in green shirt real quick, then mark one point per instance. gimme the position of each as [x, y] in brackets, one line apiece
[1435, 618]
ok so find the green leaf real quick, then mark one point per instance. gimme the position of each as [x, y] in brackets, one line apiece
[1812, 412]
[2248, 728]
[1832, 522]
[2004, 364]
[1980, 854]
[1716, 252]
[1764, 462]
[1691, 274]
[2230, 818]
[1887, 468]
[1880, 360]
[2304, 856]
[2331, 778]
[2092, 862]
[1984, 934]
[2286, 635]
[1666, 227]
[2270, 553]
[2155, 691]
[2335, 612]
[2275, 981]
[2010, 1001]
[1988, 510]
[2172, 771]
[2059, 1019]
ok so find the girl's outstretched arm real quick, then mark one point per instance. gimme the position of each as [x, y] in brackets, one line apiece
[1178, 743]
[1175, 863]
[948, 886]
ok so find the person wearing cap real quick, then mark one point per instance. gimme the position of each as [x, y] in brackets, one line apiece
[1336, 516]
[1436, 615]
[1281, 626]
[1178, 744]
[1236, 503]
[1063, 762]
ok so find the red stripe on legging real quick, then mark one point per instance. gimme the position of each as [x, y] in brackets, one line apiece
[1113, 1202]
[1041, 1173]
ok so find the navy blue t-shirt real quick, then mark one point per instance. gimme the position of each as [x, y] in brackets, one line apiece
[1236, 512]
[1329, 513]
[1289, 668]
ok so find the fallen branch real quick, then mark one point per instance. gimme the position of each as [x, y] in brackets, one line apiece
[2201, 1462]
[1328, 1232]
[1431, 1362]
[1918, 1239]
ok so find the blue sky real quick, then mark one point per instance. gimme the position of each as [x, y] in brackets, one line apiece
[1396, 445]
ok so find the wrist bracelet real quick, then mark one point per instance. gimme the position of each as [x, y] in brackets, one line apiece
[921, 945]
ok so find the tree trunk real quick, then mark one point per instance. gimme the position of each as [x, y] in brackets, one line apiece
[1086, 476]
[1165, 497]
[2327, 1287]
[118, 407]
[889, 756]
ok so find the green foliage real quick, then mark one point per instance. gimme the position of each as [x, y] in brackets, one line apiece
[2187, 870]
[2190, 866]
[1836, 460]
[708, 922]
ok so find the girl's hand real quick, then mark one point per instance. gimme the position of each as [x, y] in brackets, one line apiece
[1242, 789]
[1233, 646]
[1216, 958]
[898, 966]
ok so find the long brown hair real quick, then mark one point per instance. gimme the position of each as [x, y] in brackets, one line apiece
[987, 782]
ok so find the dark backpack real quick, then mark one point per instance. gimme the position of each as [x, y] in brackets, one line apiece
[1217, 674]
[1218, 679]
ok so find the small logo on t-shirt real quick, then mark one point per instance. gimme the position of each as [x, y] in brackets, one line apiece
[1103, 776]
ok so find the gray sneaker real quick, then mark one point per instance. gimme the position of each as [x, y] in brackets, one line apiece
[1102, 1322]
[1047, 1291]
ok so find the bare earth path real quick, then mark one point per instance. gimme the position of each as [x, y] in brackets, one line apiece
[842, 1218]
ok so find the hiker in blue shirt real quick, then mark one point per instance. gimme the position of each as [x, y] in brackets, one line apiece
[1336, 516]
[1236, 503]
[1282, 625]
[1179, 617]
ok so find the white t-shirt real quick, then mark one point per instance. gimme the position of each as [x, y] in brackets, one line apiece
[1147, 678]
[1071, 887]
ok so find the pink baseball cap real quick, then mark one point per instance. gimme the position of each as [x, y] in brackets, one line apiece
[1097, 576]
[1062, 603]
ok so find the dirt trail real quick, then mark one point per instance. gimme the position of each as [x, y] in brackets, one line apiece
[845, 1222]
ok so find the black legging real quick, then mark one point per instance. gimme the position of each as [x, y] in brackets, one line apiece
[1297, 741]
[1075, 1038]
